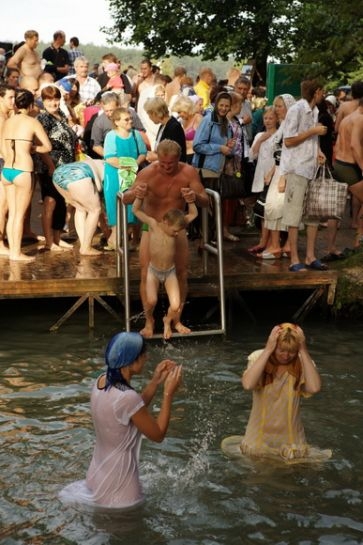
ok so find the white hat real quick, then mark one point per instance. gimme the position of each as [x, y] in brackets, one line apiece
[332, 99]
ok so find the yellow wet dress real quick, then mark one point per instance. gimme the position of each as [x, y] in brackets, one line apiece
[274, 428]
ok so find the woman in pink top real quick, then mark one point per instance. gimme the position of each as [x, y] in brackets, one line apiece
[120, 417]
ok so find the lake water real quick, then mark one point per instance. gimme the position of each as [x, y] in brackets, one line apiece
[194, 494]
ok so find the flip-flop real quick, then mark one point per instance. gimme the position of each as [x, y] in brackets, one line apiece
[269, 255]
[298, 267]
[317, 265]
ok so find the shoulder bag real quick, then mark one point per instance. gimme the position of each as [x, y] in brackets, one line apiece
[325, 197]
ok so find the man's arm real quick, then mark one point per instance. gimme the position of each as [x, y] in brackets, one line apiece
[16, 60]
[138, 188]
[199, 194]
[293, 141]
[356, 143]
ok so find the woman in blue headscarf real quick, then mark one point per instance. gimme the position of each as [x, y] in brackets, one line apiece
[120, 417]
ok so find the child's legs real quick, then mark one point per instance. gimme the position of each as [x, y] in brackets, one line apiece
[173, 292]
[151, 292]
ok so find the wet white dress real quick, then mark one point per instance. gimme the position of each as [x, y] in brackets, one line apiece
[112, 478]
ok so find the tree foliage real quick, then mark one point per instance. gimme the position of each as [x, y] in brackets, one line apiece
[322, 32]
[330, 34]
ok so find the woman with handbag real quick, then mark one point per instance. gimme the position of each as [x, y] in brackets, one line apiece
[213, 142]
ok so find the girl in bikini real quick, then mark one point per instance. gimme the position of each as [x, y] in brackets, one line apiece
[21, 137]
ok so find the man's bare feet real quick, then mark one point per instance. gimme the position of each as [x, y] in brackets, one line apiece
[90, 252]
[182, 329]
[167, 329]
[21, 257]
[148, 330]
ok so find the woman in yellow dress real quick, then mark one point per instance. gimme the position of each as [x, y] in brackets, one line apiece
[279, 375]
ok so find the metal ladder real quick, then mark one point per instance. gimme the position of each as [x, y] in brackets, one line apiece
[122, 262]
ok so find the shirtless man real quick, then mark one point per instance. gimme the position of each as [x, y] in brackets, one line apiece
[26, 59]
[160, 185]
[348, 165]
[7, 103]
[349, 106]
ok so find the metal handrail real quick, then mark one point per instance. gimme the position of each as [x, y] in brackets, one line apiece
[123, 269]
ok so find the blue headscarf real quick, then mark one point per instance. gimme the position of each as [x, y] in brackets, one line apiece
[122, 350]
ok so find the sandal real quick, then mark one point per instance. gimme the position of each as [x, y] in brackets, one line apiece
[269, 255]
[298, 267]
[317, 265]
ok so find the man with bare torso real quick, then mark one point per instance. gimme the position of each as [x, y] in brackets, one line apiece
[26, 59]
[349, 106]
[161, 185]
[348, 165]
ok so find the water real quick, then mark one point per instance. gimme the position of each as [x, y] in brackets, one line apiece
[195, 496]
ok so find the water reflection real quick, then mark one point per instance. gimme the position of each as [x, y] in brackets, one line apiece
[194, 494]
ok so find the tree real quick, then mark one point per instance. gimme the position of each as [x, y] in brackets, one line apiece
[330, 35]
[222, 28]
[321, 32]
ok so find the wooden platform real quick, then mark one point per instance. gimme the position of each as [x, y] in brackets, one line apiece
[89, 279]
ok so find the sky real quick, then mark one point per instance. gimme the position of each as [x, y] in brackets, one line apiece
[81, 18]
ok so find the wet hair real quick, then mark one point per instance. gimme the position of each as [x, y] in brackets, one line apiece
[23, 99]
[50, 91]
[169, 147]
[157, 106]
[175, 218]
[288, 340]
[357, 89]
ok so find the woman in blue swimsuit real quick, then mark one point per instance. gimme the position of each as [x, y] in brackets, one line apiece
[80, 184]
[19, 134]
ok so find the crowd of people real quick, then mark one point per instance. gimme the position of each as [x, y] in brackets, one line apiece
[84, 137]
[163, 139]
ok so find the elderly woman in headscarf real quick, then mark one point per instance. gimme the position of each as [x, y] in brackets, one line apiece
[121, 417]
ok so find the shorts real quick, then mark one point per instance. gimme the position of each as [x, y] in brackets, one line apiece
[348, 173]
[293, 209]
